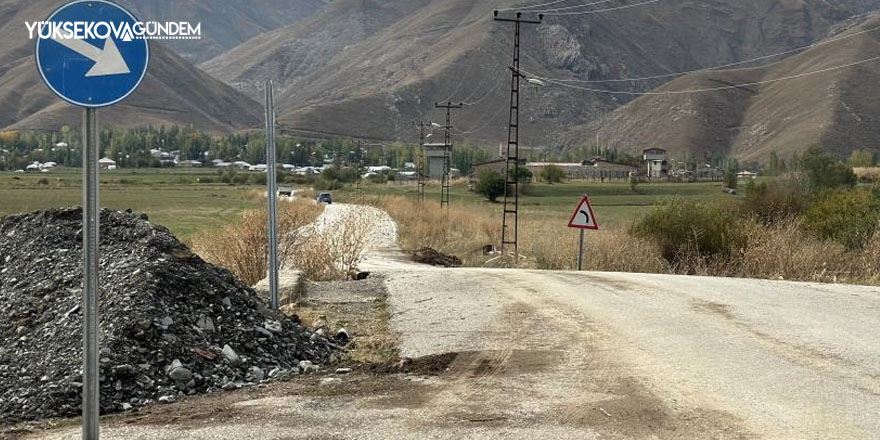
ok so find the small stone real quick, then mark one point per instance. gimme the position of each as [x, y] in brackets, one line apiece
[230, 355]
[168, 399]
[227, 302]
[264, 332]
[331, 381]
[343, 370]
[126, 406]
[273, 326]
[206, 324]
[229, 386]
[256, 374]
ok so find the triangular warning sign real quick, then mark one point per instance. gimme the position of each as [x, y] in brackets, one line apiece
[583, 217]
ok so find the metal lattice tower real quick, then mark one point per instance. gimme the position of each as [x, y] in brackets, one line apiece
[446, 184]
[510, 224]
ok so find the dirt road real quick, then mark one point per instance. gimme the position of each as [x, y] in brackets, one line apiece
[563, 355]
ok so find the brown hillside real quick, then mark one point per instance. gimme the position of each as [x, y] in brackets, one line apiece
[834, 109]
[368, 67]
[174, 91]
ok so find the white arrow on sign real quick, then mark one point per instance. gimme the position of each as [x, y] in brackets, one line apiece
[107, 62]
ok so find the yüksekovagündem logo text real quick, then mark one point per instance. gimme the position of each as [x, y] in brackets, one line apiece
[123, 31]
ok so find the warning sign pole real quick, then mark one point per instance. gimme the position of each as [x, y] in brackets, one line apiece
[581, 252]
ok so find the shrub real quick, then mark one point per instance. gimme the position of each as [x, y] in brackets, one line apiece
[773, 202]
[825, 171]
[259, 179]
[552, 174]
[43, 181]
[490, 183]
[679, 227]
[730, 180]
[242, 247]
[846, 216]
[331, 251]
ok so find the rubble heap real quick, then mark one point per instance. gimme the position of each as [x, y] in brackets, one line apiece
[171, 324]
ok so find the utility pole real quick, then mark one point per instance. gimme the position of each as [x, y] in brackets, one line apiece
[272, 187]
[447, 145]
[359, 168]
[421, 164]
[510, 223]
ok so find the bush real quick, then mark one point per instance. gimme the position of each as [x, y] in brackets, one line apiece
[774, 202]
[43, 181]
[825, 171]
[846, 216]
[730, 180]
[682, 227]
[259, 179]
[552, 174]
[490, 183]
[242, 247]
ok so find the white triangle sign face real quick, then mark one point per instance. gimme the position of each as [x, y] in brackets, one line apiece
[583, 217]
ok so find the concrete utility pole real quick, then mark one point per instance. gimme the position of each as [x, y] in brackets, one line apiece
[421, 165]
[271, 176]
[510, 223]
[447, 142]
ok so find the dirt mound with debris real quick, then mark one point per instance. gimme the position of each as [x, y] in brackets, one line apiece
[435, 258]
[171, 324]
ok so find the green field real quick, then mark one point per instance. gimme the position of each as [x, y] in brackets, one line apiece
[174, 197]
[170, 197]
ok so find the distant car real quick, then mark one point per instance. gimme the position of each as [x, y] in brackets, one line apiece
[285, 191]
[325, 198]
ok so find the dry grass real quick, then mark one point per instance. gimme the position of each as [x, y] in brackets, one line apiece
[458, 231]
[871, 175]
[242, 247]
[550, 246]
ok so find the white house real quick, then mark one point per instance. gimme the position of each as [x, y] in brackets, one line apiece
[107, 164]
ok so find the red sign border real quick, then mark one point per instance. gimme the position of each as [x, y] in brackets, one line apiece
[577, 211]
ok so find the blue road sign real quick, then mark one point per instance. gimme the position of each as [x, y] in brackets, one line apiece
[89, 54]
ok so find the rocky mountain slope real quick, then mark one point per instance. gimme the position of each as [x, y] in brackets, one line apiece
[368, 67]
[174, 91]
[835, 108]
[226, 23]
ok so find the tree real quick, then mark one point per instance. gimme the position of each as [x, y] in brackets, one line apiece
[824, 170]
[730, 180]
[490, 183]
[552, 174]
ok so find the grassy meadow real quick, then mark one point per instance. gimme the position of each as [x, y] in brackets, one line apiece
[172, 198]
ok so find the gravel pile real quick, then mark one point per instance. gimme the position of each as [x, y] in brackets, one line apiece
[171, 324]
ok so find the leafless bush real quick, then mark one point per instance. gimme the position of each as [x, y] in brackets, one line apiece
[332, 250]
[242, 246]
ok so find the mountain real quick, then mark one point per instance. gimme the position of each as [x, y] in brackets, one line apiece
[835, 108]
[224, 24]
[173, 92]
[369, 67]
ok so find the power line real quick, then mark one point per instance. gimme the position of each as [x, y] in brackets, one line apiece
[571, 7]
[597, 11]
[722, 66]
[711, 89]
[484, 97]
[472, 131]
[533, 6]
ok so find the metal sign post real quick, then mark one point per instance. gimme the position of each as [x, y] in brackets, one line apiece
[581, 252]
[271, 180]
[91, 73]
[91, 257]
[583, 219]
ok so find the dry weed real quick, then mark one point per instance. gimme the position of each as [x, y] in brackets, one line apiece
[242, 246]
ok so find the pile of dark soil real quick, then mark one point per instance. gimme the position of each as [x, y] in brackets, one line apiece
[171, 324]
[435, 258]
